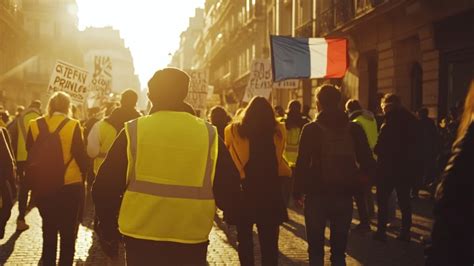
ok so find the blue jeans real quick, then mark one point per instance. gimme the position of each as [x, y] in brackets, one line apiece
[320, 209]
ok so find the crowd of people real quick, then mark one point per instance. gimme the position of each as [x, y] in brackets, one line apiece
[157, 179]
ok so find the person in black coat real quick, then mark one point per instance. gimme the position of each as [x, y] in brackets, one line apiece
[325, 198]
[430, 150]
[399, 162]
[453, 232]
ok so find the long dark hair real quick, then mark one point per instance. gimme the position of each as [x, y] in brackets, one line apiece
[258, 119]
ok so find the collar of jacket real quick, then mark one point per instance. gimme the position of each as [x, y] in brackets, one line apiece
[177, 107]
[333, 118]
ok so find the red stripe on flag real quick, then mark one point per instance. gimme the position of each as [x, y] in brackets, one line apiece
[337, 58]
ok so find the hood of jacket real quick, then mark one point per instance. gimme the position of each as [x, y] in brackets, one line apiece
[121, 115]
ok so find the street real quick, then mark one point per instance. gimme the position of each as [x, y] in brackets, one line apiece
[25, 248]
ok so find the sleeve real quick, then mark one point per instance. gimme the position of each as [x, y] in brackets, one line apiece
[380, 147]
[226, 185]
[78, 149]
[29, 140]
[362, 149]
[452, 229]
[110, 184]
[93, 141]
[303, 161]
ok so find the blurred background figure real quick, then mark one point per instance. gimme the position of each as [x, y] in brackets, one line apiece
[363, 194]
[452, 235]
[305, 112]
[7, 180]
[4, 118]
[18, 130]
[279, 112]
[220, 119]
[294, 122]
[399, 162]
[430, 150]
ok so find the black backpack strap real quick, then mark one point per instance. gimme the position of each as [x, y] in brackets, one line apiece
[42, 126]
[61, 125]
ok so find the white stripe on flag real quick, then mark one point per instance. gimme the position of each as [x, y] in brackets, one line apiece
[318, 51]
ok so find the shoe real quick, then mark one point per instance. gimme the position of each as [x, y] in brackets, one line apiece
[21, 225]
[361, 228]
[379, 236]
[405, 237]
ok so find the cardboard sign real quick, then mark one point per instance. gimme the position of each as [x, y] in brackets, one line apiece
[198, 89]
[286, 84]
[261, 81]
[101, 83]
[70, 79]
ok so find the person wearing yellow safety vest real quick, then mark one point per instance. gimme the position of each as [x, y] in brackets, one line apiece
[18, 131]
[294, 122]
[60, 206]
[162, 179]
[103, 133]
[363, 195]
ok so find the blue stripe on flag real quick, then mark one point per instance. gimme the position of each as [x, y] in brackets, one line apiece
[290, 57]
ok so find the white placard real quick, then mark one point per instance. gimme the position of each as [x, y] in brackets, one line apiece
[70, 79]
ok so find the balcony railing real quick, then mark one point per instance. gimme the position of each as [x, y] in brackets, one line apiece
[343, 12]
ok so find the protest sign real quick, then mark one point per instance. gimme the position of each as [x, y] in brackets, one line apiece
[101, 83]
[70, 79]
[261, 82]
[286, 84]
[198, 89]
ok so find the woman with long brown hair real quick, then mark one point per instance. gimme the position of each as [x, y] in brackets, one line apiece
[256, 144]
[452, 235]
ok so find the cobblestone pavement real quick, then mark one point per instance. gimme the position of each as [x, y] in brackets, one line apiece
[25, 248]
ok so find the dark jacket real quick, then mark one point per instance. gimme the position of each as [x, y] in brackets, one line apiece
[308, 169]
[262, 197]
[110, 183]
[431, 139]
[453, 231]
[7, 170]
[121, 115]
[399, 147]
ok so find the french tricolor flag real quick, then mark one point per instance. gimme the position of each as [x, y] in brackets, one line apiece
[308, 57]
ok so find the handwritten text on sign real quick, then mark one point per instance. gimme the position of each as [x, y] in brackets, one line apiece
[198, 89]
[261, 82]
[101, 83]
[70, 79]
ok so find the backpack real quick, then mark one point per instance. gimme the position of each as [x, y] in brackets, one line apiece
[45, 168]
[338, 158]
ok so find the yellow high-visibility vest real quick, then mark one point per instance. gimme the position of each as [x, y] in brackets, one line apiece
[23, 127]
[292, 142]
[171, 166]
[370, 128]
[73, 173]
[107, 134]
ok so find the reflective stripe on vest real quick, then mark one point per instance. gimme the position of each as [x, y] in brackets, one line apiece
[165, 190]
